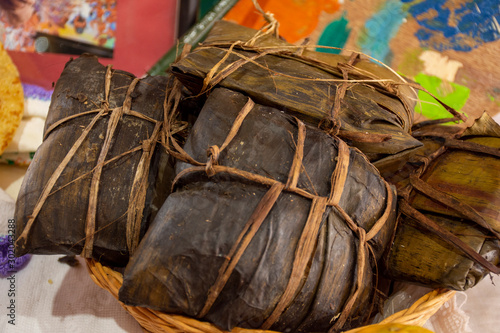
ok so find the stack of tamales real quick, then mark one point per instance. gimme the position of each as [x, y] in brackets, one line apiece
[276, 217]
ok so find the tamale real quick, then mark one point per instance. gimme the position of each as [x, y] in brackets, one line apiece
[91, 186]
[454, 184]
[276, 230]
[369, 105]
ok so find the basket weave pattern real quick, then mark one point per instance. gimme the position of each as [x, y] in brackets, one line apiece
[159, 322]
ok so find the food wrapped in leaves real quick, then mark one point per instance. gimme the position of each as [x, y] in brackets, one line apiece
[448, 235]
[277, 230]
[90, 188]
[368, 105]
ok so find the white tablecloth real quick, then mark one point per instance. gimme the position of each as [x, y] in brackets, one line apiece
[53, 297]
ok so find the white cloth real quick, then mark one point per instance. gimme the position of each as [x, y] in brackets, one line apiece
[52, 297]
[28, 136]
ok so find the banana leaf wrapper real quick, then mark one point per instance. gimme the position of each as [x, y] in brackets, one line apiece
[91, 187]
[367, 105]
[275, 233]
[455, 184]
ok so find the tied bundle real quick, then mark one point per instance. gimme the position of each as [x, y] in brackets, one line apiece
[280, 228]
[367, 105]
[90, 188]
[448, 232]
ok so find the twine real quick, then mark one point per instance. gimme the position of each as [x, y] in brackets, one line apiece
[139, 186]
[339, 96]
[271, 28]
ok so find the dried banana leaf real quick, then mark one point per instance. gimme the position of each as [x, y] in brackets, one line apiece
[424, 258]
[456, 185]
[273, 231]
[91, 186]
[369, 104]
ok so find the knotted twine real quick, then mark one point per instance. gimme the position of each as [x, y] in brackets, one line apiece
[306, 244]
[139, 185]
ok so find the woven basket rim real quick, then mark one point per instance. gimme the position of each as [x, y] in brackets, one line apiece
[156, 321]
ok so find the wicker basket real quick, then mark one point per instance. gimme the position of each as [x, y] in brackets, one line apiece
[155, 321]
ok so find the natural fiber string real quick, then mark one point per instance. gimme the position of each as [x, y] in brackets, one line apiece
[339, 175]
[86, 174]
[139, 189]
[338, 180]
[332, 123]
[252, 226]
[294, 173]
[295, 50]
[339, 96]
[363, 251]
[292, 52]
[23, 238]
[208, 78]
[260, 213]
[271, 28]
[307, 241]
[214, 151]
[212, 80]
[303, 255]
[281, 50]
[78, 115]
[114, 119]
[172, 99]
